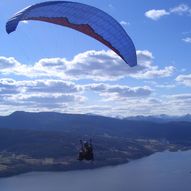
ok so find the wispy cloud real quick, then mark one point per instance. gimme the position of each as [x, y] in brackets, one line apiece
[181, 9]
[124, 23]
[111, 6]
[175, 104]
[160, 85]
[184, 79]
[156, 14]
[187, 39]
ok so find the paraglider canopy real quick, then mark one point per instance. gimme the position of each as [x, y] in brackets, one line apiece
[84, 18]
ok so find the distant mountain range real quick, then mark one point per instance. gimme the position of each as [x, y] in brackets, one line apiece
[21, 118]
[160, 118]
[148, 127]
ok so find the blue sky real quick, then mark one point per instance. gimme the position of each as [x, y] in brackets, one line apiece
[45, 67]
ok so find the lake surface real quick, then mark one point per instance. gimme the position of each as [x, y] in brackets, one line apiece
[166, 171]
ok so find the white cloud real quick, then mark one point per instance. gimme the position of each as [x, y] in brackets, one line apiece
[147, 70]
[8, 63]
[184, 79]
[39, 86]
[41, 102]
[41, 94]
[186, 32]
[163, 85]
[119, 92]
[187, 39]
[124, 23]
[50, 86]
[154, 72]
[46, 99]
[156, 14]
[166, 86]
[11, 66]
[90, 65]
[181, 97]
[93, 64]
[179, 104]
[61, 95]
[8, 86]
[114, 100]
[181, 9]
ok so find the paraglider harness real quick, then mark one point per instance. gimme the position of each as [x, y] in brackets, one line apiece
[86, 151]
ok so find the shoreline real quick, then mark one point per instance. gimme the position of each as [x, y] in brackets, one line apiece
[83, 166]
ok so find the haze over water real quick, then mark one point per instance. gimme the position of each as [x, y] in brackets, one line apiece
[165, 171]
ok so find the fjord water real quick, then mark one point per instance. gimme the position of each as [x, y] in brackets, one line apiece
[166, 171]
